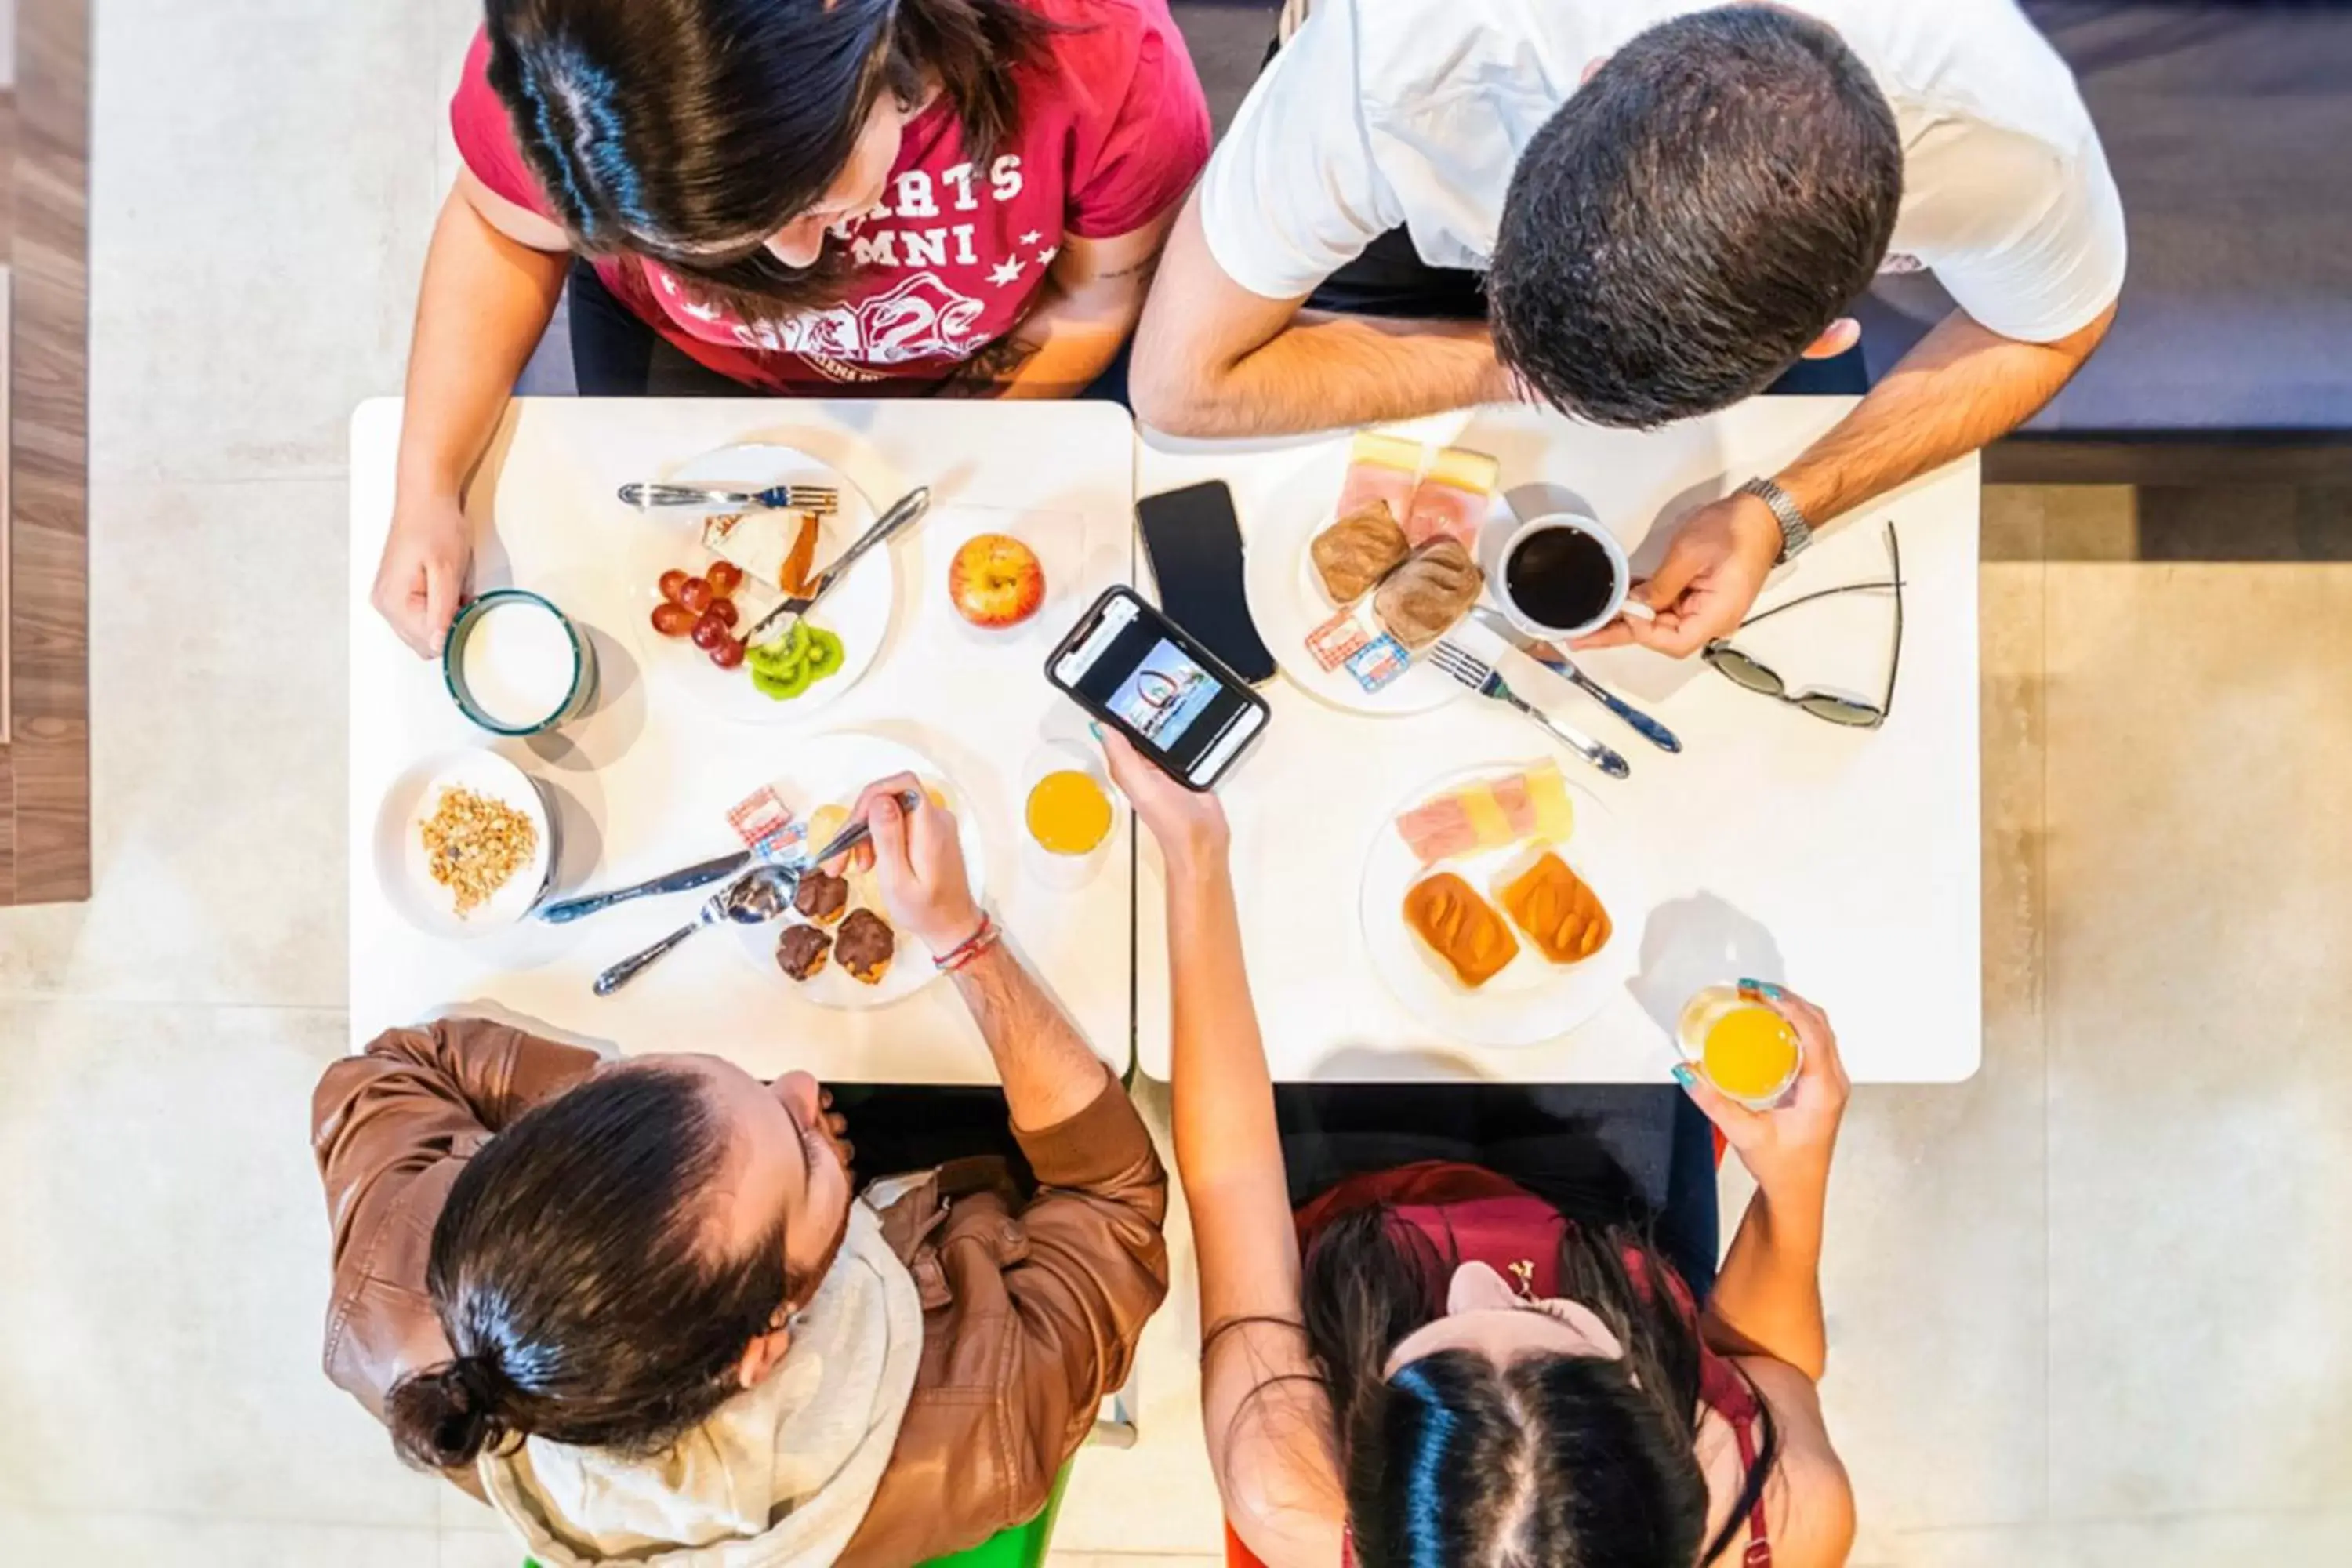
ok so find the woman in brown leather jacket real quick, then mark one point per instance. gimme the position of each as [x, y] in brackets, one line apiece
[641, 1304]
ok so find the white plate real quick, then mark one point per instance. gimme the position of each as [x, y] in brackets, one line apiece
[1533, 999]
[857, 612]
[830, 769]
[1287, 602]
[405, 872]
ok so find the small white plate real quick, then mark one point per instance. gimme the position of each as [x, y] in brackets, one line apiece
[1287, 602]
[405, 872]
[857, 612]
[830, 769]
[1533, 999]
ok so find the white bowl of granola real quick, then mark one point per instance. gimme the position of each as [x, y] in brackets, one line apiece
[465, 844]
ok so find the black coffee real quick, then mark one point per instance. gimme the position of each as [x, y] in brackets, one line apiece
[1561, 577]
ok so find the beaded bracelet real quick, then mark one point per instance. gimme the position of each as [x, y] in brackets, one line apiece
[971, 947]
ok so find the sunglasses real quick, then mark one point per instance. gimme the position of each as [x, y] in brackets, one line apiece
[1746, 671]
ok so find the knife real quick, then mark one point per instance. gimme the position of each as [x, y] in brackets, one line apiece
[905, 511]
[679, 881]
[1559, 664]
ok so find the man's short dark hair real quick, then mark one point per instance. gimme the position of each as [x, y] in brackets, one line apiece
[1699, 212]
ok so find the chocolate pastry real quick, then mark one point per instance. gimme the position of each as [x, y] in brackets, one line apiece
[864, 946]
[1423, 598]
[821, 897]
[1358, 551]
[800, 951]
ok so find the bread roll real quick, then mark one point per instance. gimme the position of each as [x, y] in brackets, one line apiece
[1356, 551]
[1422, 599]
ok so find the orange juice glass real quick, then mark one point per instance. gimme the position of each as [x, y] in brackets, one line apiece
[1746, 1050]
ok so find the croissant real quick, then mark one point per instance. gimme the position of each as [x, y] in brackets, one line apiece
[1358, 551]
[1435, 587]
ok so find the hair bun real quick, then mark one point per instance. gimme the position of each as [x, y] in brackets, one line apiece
[445, 1418]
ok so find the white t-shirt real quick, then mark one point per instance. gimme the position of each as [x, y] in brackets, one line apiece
[1386, 113]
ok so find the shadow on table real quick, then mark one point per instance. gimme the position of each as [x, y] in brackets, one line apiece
[1697, 942]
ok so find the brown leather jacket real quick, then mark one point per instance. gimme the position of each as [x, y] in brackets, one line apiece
[1031, 1312]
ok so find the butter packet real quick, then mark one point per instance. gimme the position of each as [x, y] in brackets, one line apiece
[1351, 640]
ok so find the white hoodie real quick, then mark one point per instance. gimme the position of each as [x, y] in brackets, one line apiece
[779, 1477]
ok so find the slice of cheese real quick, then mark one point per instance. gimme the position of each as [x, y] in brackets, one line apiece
[1388, 451]
[1464, 469]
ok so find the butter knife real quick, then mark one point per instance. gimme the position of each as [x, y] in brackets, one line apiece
[1559, 664]
[679, 881]
[782, 620]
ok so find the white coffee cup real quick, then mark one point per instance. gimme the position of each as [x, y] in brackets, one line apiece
[1621, 573]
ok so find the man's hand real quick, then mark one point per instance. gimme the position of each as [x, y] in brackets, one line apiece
[1189, 824]
[422, 579]
[1788, 1148]
[919, 858]
[1703, 588]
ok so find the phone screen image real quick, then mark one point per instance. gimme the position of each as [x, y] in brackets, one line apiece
[1130, 669]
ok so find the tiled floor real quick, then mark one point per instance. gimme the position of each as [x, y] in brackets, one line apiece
[2088, 1309]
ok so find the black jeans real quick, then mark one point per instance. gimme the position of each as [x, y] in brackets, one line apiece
[616, 354]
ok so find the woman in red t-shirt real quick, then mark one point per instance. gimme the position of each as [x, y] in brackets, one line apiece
[1433, 1363]
[810, 197]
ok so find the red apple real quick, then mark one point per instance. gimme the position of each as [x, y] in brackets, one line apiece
[996, 581]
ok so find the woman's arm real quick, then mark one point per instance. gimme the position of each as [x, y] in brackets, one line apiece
[491, 279]
[1268, 1422]
[1768, 1295]
[1083, 314]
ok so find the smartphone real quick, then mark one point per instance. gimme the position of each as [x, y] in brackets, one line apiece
[1131, 666]
[1195, 545]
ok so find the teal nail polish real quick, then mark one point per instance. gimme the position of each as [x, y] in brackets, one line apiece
[1684, 1076]
[1094, 729]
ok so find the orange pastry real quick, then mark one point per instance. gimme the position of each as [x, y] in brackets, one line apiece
[1460, 927]
[1560, 914]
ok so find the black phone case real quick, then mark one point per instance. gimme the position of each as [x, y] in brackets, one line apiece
[1194, 544]
[1192, 646]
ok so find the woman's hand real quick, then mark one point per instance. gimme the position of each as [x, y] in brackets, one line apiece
[422, 579]
[918, 856]
[1786, 1149]
[1190, 825]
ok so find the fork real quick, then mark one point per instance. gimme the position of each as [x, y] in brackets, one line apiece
[820, 499]
[1479, 676]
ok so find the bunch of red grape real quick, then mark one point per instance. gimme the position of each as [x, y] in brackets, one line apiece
[703, 608]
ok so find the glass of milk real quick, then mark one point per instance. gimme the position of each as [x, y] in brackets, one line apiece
[516, 666]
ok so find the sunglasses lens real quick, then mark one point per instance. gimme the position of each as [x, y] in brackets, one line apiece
[1839, 710]
[1745, 671]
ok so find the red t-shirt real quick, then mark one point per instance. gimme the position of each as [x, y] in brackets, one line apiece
[1112, 129]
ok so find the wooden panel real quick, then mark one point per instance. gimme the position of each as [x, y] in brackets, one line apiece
[48, 751]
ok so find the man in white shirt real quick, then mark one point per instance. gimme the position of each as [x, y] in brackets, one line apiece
[1670, 204]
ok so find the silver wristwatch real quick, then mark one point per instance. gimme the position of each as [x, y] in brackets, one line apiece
[1796, 533]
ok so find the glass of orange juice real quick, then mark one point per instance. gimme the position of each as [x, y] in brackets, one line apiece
[1066, 813]
[1746, 1050]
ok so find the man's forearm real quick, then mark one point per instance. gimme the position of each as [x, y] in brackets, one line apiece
[1962, 386]
[1048, 1072]
[1768, 1295]
[1325, 372]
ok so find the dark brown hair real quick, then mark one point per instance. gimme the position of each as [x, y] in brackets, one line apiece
[1695, 217]
[572, 1275]
[689, 131]
[1552, 1461]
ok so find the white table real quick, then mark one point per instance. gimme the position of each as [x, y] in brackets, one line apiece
[644, 787]
[1843, 862]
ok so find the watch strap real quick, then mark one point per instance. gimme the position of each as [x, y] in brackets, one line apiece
[1796, 530]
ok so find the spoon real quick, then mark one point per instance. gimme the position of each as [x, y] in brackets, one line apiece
[754, 898]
